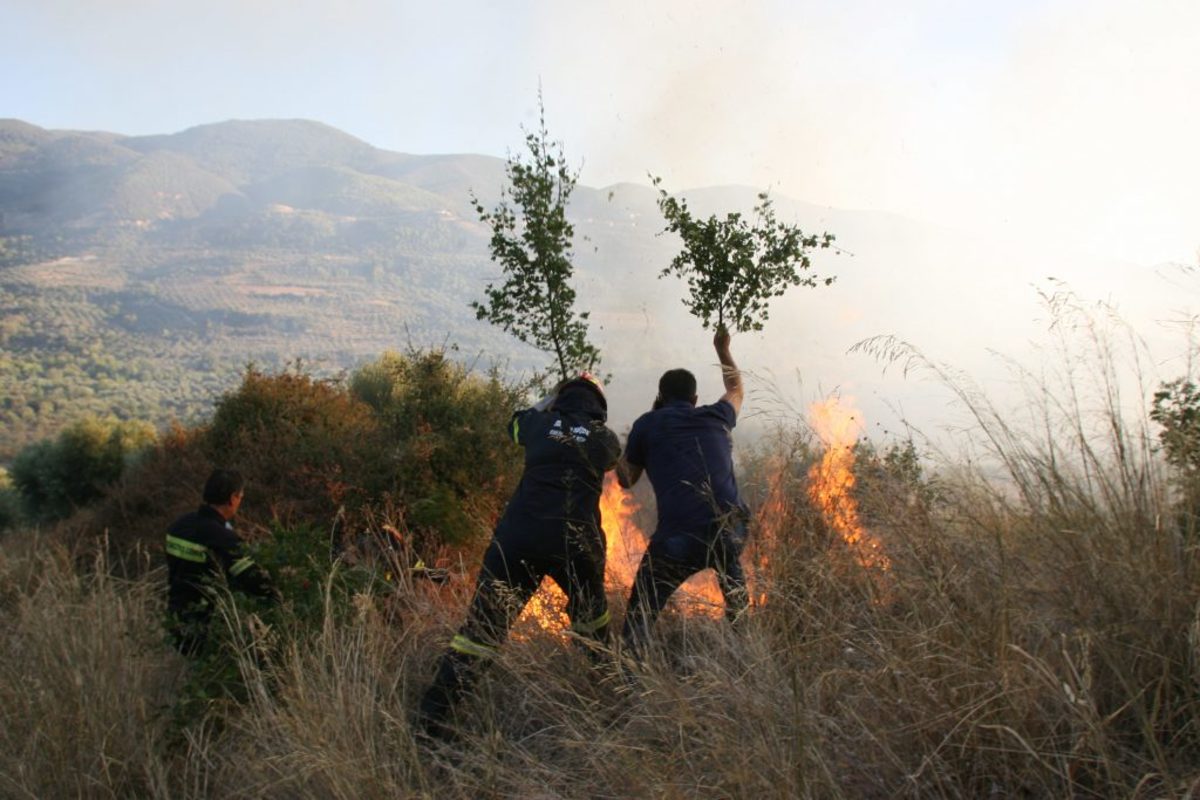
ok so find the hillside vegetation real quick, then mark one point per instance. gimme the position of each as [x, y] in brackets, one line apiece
[139, 275]
[1034, 634]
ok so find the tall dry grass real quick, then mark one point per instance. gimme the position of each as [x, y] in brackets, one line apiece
[1037, 635]
[85, 684]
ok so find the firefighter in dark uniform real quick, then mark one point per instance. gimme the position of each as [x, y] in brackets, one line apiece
[687, 450]
[551, 526]
[202, 548]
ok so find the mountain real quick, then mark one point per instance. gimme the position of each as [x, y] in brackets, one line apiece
[140, 274]
[251, 150]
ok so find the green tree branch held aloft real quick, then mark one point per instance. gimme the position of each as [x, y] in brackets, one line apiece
[531, 241]
[733, 267]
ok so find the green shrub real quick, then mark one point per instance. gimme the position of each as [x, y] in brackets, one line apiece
[314, 590]
[304, 444]
[1176, 409]
[890, 481]
[415, 442]
[55, 477]
[449, 458]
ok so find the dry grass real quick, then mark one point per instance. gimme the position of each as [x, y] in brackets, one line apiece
[85, 685]
[1005, 658]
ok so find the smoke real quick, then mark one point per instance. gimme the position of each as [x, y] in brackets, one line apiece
[1066, 122]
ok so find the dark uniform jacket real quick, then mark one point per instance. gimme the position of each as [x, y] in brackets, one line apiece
[202, 547]
[567, 452]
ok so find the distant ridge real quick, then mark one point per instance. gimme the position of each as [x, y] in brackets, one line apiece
[50, 179]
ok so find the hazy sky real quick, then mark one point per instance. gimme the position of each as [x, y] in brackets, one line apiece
[1062, 122]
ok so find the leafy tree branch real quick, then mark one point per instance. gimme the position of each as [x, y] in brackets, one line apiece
[531, 240]
[734, 266]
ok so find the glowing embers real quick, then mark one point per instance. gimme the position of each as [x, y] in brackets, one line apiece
[831, 480]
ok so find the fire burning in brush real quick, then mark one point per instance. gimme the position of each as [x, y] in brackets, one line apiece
[830, 488]
[773, 513]
[547, 609]
[626, 542]
[831, 480]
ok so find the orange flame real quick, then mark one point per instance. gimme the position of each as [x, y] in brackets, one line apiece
[625, 541]
[625, 544]
[547, 609]
[831, 481]
[769, 521]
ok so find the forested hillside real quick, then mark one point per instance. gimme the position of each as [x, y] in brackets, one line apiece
[139, 275]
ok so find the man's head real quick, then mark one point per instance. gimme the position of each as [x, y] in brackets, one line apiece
[583, 394]
[677, 384]
[223, 491]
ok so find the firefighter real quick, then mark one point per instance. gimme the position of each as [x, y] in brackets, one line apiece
[687, 450]
[202, 548]
[551, 526]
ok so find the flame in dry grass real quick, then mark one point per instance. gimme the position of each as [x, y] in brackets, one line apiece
[776, 509]
[547, 609]
[625, 541]
[625, 544]
[831, 480]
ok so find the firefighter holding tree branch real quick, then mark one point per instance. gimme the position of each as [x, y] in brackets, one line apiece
[687, 451]
[732, 267]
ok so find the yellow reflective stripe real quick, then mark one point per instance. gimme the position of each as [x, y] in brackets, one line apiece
[593, 626]
[241, 565]
[516, 426]
[464, 645]
[188, 551]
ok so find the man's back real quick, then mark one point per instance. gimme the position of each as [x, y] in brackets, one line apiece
[687, 451]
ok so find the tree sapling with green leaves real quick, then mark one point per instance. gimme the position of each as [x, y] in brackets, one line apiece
[733, 267]
[1176, 407]
[531, 241]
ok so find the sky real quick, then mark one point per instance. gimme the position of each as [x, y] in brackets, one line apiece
[1066, 124]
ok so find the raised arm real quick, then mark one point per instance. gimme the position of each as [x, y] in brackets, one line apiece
[729, 370]
[547, 401]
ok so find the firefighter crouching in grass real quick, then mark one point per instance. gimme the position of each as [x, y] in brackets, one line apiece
[551, 526]
[687, 450]
[202, 549]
